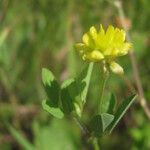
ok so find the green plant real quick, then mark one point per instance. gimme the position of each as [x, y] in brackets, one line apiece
[70, 97]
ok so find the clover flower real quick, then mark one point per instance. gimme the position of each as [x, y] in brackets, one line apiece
[104, 46]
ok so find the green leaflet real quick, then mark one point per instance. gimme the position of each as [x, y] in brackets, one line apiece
[121, 111]
[99, 123]
[56, 112]
[51, 86]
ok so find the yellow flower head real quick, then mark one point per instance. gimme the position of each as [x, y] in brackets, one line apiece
[104, 46]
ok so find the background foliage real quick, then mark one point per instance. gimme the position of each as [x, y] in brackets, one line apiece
[41, 33]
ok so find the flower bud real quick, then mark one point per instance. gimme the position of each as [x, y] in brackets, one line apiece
[116, 68]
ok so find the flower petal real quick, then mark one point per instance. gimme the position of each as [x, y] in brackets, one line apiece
[110, 34]
[93, 56]
[86, 39]
[124, 49]
[119, 36]
[100, 39]
[101, 31]
[93, 32]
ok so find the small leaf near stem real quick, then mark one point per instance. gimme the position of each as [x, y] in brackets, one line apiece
[105, 76]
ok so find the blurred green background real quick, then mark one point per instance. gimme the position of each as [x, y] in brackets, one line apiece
[41, 33]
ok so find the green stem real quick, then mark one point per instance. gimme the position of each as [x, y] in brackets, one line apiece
[81, 125]
[105, 77]
[95, 144]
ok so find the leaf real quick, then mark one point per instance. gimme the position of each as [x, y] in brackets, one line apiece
[76, 88]
[66, 99]
[109, 102]
[112, 104]
[20, 138]
[105, 102]
[85, 77]
[79, 88]
[52, 89]
[56, 112]
[51, 86]
[70, 90]
[96, 125]
[74, 91]
[99, 123]
[106, 120]
[121, 111]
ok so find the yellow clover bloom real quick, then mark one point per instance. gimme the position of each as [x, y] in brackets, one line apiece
[104, 46]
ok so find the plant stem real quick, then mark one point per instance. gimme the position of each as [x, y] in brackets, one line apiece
[95, 144]
[81, 125]
[105, 77]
